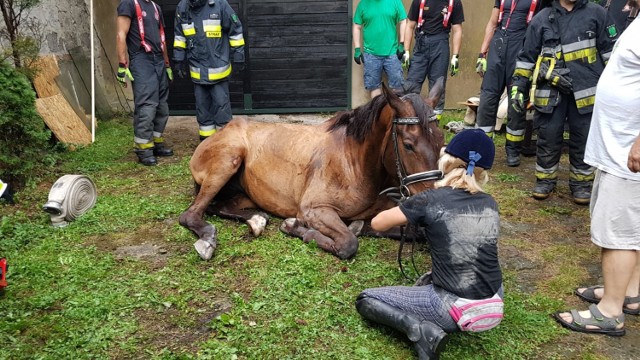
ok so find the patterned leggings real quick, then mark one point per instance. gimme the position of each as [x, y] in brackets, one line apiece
[423, 301]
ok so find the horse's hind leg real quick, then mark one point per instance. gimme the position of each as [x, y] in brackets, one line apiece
[192, 218]
[241, 208]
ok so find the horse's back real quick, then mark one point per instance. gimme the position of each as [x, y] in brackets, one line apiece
[276, 159]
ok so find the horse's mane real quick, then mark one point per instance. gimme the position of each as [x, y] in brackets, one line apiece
[359, 122]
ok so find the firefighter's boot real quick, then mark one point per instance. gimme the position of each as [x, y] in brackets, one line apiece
[581, 191]
[146, 157]
[428, 338]
[543, 188]
[159, 149]
[513, 153]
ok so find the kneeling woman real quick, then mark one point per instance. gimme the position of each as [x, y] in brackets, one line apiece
[462, 224]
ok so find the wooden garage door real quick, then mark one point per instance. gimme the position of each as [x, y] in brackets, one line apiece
[297, 57]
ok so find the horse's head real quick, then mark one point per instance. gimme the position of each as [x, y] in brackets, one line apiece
[414, 141]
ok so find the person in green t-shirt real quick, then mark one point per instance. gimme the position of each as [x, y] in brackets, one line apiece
[376, 21]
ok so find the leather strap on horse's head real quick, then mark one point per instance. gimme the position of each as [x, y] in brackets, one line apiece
[406, 180]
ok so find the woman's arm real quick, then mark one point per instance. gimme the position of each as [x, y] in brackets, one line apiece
[388, 219]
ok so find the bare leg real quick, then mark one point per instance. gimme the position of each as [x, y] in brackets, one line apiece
[618, 267]
[633, 289]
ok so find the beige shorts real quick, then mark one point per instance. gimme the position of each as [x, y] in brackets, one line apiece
[615, 212]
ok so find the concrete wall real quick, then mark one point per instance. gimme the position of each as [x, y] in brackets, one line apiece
[466, 83]
[110, 96]
[64, 27]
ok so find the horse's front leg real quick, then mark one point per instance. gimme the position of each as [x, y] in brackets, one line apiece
[241, 208]
[193, 217]
[324, 226]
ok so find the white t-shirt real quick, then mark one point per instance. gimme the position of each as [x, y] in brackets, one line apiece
[615, 124]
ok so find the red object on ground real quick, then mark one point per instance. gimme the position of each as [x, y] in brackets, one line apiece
[3, 273]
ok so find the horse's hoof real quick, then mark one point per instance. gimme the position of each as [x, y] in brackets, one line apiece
[288, 225]
[204, 249]
[356, 227]
[257, 223]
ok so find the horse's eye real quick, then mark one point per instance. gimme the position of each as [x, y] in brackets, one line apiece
[408, 147]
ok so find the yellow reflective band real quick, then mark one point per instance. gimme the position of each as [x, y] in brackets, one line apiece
[206, 133]
[179, 44]
[543, 176]
[580, 177]
[188, 29]
[588, 101]
[541, 101]
[211, 27]
[514, 138]
[489, 134]
[158, 140]
[589, 53]
[236, 43]
[522, 72]
[195, 74]
[220, 75]
[144, 146]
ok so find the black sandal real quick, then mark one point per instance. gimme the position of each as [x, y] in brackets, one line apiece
[589, 295]
[605, 325]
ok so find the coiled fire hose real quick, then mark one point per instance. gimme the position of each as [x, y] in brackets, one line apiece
[70, 197]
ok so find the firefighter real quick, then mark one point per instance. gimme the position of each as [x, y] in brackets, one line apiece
[208, 38]
[431, 21]
[140, 34]
[503, 38]
[566, 48]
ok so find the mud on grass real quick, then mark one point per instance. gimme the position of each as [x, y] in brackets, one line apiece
[123, 281]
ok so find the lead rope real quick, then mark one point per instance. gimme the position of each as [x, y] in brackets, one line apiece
[403, 237]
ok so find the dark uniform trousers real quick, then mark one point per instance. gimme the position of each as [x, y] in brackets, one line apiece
[550, 141]
[430, 59]
[501, 62]
[150, 92]
[213, 107]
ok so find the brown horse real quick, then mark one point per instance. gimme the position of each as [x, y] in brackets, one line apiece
[316, 175]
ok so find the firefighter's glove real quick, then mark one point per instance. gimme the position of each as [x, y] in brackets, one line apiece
[558, 78]
[455, 67]
[481, 64]
[169, 73]
[123, 71]
[400, 51]
[517, 99]
[357, 56]
[180, 68]
[238, 60]
[405, 60]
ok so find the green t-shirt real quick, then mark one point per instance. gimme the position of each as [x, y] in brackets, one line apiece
[379, 20]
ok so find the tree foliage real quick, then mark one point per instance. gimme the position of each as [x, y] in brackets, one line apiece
[22, 35]
[24, 139]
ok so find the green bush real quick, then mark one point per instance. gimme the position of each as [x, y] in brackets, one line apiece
[24, 138]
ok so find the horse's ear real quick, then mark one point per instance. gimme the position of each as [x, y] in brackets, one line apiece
[435, 93]
[393, 99]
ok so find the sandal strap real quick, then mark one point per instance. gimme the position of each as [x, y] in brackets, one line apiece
[631, 300]
[590, 292]
[604, 322]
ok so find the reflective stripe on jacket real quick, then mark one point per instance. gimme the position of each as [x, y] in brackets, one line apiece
[580, 40]
[206, 36]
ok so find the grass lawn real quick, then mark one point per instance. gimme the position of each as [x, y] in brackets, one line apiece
[123, 281]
